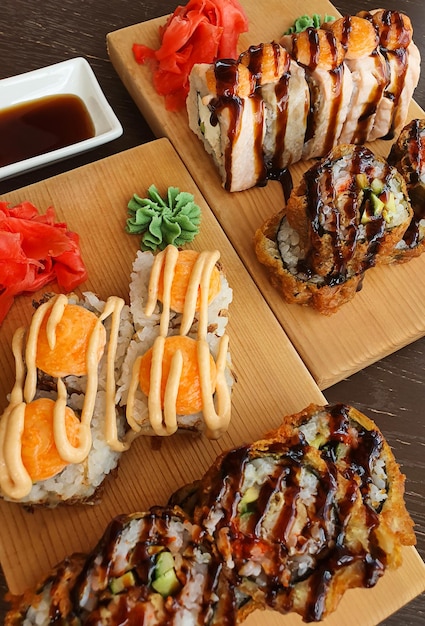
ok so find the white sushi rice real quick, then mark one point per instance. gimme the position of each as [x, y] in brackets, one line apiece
[146, 330]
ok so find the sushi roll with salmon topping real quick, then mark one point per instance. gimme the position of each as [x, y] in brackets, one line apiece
[250, 113]
[348, 213]
[177, 371]
[408, 156]
[330, 83]
[403, 59]
[282, 86]
[228, 119]
[61, 433]
[369, 71]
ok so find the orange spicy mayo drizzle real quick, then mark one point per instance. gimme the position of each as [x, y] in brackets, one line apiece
[165, 422]
[14, 478]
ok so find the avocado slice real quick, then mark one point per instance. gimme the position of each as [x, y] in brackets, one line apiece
[165, 579]
[117, 585]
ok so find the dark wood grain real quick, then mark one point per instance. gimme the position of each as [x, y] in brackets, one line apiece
[392, 391]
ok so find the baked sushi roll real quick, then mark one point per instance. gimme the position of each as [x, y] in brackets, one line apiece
[347, 215]
[369, 71]
[61, 433]
[330, 85]
[177, 371]
[408, 156]
[403, 60]
[229, 121]
[282, 86]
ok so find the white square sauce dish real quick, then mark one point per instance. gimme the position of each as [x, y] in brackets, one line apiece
[50, 114]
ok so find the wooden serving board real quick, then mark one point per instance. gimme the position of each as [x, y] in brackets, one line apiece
[385, 316]
[271, 380]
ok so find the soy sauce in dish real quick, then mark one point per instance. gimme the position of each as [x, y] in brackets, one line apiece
[32, 128]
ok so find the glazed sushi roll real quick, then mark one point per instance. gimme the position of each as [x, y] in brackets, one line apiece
[369, 71]
[408, 156]
[151, 566]
[273, 513]
[51, 599]
[353, 442]
[347, 215]
[177, 371]
[403, 60]
[282, 86]
[148, 568]
[226, 117]
[250, 113]
[61, 433]
[330, 85]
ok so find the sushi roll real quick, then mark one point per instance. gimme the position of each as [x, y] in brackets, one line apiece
[347, 215]
[51, 597]
[250, 113]
[177, 371]
[148, 568]
[281, 84]
[330, 84]
[369, 71]
[408, 156]
[347, 438]
[272, 511]
[61, 433]
[313, 509]
[228, 118]
[403, 59]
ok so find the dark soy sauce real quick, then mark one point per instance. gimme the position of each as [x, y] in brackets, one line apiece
[38, 126]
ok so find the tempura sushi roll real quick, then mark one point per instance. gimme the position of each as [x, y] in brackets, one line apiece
[177, 372]
[353, 442]
[152, 566]
[369, 71]
[51, 597]
[148, 568]
[273, 514]
[403, 60]
[229, 120]
[61, 433]
[281, 84]
[346, 216]
[330, 85]
[408, 156]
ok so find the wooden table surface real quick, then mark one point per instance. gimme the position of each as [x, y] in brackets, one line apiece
[391, 391]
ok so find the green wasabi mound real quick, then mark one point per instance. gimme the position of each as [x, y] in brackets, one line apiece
[162, 221]
[306, 21]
